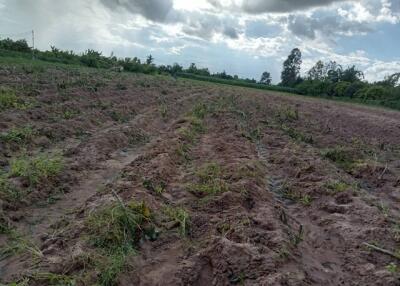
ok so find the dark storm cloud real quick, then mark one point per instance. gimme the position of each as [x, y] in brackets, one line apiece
[155, 10]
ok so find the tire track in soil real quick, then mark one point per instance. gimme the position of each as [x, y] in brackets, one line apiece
[321, 263]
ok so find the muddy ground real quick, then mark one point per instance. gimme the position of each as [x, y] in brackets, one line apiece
[126, 179]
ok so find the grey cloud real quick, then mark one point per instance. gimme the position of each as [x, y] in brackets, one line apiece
[275, 6]
[230, 32]
[205, 26]
[328, 26]
[155, 10]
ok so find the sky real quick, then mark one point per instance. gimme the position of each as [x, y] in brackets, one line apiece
[241, 37]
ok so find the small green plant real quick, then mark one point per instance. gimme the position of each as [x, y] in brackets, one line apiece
[392, 268]
[157, 188]
[110, 266]
[335, 186]
[163, 110]
[297, 135]
[181, 217]
[200, 110]
[283, 253]
[118, 226]
[8, 100]
[69, 113]
[210, 181]
[287, 114]
[37, 169]
[22, 135]
[18, 244]
[115, 230]
[119, 116]
[305, 200]
[8, 192]
[52, 279]
[342, 157]
[384, 209]
[287, 191]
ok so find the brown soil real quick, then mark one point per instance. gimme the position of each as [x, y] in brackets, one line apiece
[301, 183]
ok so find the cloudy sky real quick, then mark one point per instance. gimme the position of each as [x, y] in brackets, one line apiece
[239, 36]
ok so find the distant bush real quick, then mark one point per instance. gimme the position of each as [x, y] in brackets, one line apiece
[373, 93]
[18, 46]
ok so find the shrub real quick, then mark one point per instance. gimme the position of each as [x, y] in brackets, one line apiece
[18, 46]
[340, 88]
[374, 92]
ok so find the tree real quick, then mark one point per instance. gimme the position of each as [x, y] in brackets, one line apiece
[391, 80]
[192, 68]
[351, 74]
[149, 60]
[291, 68]
[317, 72]
[266, 78]
[333, 71]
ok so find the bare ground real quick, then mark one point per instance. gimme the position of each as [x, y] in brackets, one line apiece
[237, 187]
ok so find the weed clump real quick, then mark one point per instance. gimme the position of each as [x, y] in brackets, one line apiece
[115, 231]
[181, 217]
[335, 187]
[287, 114]
[342, 157]
[8, 99]
[155, 187]
[22, 135]
[118, 226]
[210, 181]
[37, 169]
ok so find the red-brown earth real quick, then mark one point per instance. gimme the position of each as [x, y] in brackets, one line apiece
[175, 182]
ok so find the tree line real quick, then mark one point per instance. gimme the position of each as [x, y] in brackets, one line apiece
[328, 79]
[333, 80]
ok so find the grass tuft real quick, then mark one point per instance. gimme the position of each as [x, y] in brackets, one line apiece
[210, 181]
[37, 169]
[181, 217]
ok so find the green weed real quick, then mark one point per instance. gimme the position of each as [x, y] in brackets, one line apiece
[287, 114]
[69, 114]
[180, 216]
[335, 186]
[117, 226]
[21, 135]
[37, 169]
[297, 135]
[8, 100]
[210, 181]
[17, 244]
[8, 192]
[342, 157]
[392, 268]
[157, 188]
[111, 265]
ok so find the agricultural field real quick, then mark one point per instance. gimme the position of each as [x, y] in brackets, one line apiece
[110, 178]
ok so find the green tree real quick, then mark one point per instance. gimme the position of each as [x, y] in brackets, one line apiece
[149, 60]
[351, 74]
[266, 78]
[317, 72]
[291, 68]
[333, 71]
